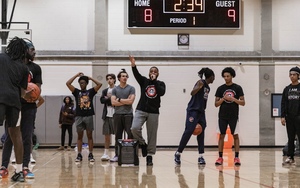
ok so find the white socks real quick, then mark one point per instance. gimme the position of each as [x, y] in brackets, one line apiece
[18, 168]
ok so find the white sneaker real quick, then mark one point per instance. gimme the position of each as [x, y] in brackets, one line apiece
[115, 159]
[289, 161]
[105, 157]
[32, 159]
[13, 160]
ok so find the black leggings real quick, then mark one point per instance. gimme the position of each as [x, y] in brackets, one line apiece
[65, 127]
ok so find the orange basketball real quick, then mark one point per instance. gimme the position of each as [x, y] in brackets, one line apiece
[34, 92]
[197, 130]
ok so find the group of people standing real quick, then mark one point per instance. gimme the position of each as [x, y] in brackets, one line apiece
[228, 98]
[18, 68]
[118, 115]
[16, 108]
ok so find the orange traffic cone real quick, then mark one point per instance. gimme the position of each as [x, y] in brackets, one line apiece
[228, 140]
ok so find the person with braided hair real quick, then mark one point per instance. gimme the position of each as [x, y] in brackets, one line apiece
[13, 75]
[195, 114]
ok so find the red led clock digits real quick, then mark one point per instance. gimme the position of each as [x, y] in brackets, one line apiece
[148, 15]
[231, 14]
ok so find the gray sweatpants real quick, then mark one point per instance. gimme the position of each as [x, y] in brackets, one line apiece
[151, 120]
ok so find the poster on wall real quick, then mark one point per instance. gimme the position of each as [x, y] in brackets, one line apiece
[276, 104]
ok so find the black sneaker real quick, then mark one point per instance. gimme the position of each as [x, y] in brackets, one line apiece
[91, 157]
[18, 177]
[149, 160]
[201, 161]
[78, 158]
[144, 149]
[177, 159]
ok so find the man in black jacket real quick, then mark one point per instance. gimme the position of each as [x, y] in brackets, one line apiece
[147, 109]
[107, 115]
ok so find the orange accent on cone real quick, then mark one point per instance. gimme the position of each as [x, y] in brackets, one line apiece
[228, 140]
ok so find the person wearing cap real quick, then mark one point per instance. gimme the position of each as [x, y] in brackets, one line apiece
[290, 112]
[29, 109]
[84, 111]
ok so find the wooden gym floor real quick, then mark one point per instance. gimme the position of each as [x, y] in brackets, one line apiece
[260, 168]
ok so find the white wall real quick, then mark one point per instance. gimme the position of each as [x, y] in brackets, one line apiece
[285, 25]
[56, 74]
[57, 25]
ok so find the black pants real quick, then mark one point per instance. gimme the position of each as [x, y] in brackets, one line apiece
[122, 122]
[293, 129]
[190, 125]
[27, 124]
[65, 127]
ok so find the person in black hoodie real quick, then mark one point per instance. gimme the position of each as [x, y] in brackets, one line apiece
[290, 112]
[147, 109]
[66, 120]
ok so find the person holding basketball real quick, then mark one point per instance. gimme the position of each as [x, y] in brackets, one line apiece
[84, 111]
[29, 108]
[229, 96]
[147, 109]
[28, 111]
[195, 114]
[290, 112]
[13, 74]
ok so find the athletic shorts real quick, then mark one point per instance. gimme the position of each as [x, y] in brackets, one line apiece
[9, 114]
[84, 123]
[108, 126]
[223, 123]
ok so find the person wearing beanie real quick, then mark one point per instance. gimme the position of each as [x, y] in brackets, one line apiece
[290, 112]
[84, 111]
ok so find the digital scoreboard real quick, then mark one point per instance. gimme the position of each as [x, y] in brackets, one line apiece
[193, 14]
